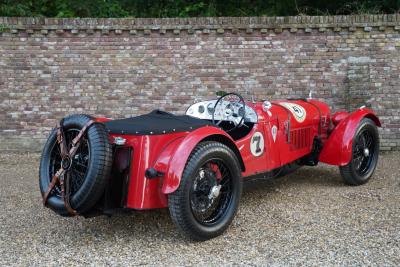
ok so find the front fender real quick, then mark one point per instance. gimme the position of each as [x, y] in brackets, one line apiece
[179, 154]
[338, 148]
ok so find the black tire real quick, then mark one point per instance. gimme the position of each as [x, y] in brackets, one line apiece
[363, 162]
[90, 168]
[181, 201]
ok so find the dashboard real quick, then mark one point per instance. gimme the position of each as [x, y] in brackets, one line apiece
[225, 111]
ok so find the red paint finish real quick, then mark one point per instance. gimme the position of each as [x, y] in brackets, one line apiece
[179, 158]
[102, 119]
[293, 140]
[286, 137]
[337, 150]
[252, 163]
[339, 116]
[146, 193]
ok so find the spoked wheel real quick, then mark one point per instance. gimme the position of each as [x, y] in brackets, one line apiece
[208, 195]
[77, 166]
[211, 192]
[88, 169]
[365, 152]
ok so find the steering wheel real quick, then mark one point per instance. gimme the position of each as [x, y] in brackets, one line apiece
[232, 108]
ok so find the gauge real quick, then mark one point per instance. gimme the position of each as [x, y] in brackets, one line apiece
[241, 112]
[210, 108]
[201, 109]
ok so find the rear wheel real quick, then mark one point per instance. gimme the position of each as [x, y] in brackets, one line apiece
[365, 153]
[208, 196]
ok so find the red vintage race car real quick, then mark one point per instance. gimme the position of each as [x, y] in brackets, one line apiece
[195, 164]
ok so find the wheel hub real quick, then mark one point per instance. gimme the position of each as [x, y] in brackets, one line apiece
[214, 192]
[206, 190]
[211, 192]
[366, 152]
[66, 163]
[202, 174]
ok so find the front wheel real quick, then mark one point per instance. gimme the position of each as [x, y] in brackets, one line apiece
[364, 156]
[207, 198]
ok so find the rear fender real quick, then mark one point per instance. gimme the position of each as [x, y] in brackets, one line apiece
[173, 160]
[338, 148]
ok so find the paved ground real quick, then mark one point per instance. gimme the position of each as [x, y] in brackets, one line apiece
[307, 218]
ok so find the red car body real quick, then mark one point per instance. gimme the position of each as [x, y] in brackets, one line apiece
[286, 138]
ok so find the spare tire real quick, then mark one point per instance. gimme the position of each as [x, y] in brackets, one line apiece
[90, 168]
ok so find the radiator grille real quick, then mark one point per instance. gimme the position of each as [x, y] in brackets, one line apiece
[300, 138]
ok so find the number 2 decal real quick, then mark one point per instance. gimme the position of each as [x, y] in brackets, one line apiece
[257, 144]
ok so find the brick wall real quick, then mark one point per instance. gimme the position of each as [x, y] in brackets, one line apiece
[123, 67]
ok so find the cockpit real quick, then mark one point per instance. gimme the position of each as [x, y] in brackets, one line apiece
[228, 112]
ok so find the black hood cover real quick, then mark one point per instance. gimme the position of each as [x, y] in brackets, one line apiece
[155, 122]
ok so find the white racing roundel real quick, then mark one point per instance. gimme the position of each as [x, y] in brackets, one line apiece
[257, 144]
[298, 111]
